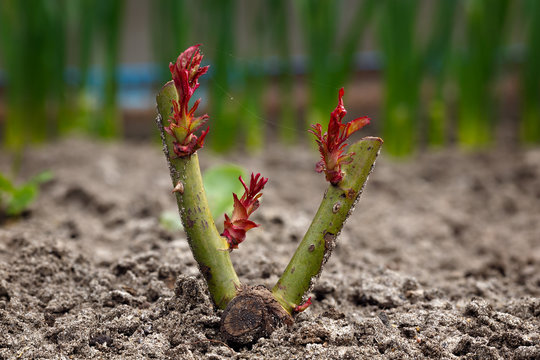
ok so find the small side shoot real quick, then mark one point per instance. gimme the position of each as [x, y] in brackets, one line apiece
[235, 227]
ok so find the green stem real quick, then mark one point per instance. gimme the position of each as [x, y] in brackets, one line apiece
[208, 247]
[320, 239]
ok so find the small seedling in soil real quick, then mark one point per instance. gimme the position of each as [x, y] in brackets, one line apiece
[15, 200]
[253, 312]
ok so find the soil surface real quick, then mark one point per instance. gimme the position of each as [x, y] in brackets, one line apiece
[441, 260]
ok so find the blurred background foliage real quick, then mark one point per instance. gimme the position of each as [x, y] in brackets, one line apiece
[429, 73]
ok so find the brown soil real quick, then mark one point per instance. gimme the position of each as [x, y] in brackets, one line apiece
[445, 264]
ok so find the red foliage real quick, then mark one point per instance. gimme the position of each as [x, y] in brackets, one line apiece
[332, 143]
[182, 125]
[236, 227]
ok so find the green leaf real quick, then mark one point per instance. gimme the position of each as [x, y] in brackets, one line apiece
[21, 198]
[6, 185]
[42, 177]
[219, 183]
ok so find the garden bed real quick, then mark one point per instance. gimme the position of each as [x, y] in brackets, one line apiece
[445, 265]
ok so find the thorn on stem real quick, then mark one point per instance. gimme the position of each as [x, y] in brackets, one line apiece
[179, 188]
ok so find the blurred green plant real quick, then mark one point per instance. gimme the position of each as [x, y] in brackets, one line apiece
[14, 200]
[530, 80]
[35, 36]
[476, 69]
[34, 42]
[169, 220]
[34, 49]
[170, 31]
[85, 24]
[281, 41]
[402, 74]
[330, 55]
[219, 183]
[437, 61]
[252, 84]
[222, 19]
[110, 12]
[254, 78]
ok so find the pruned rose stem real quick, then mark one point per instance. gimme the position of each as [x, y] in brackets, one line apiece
[254, 311]
[320, 239]
[207, 246]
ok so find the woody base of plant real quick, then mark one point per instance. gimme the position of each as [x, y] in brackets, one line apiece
[252, 312]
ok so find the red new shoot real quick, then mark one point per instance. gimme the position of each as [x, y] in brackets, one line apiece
[182, 125]
[304, 306]
[236, 227]
[332, 143]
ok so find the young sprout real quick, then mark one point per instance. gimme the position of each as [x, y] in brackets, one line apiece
[14, 200]
[235, 228]
[332, 143]
[182, 125]
[252, 312]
